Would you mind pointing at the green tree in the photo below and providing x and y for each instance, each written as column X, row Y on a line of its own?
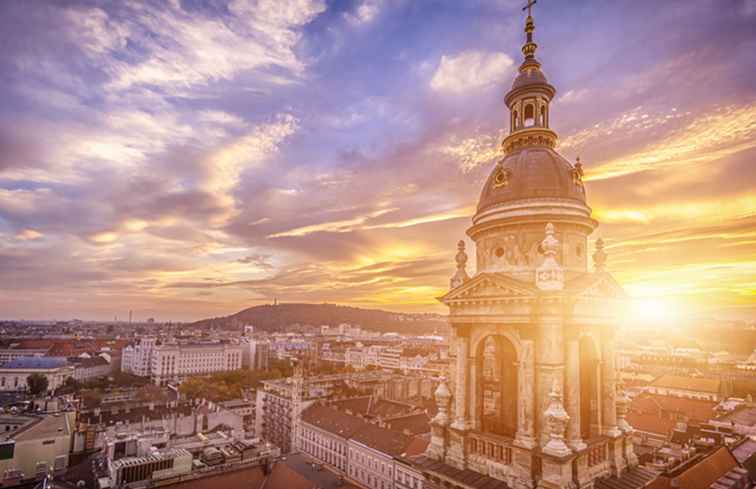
column 37, row 384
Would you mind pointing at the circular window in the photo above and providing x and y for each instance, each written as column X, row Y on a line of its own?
column 499, row 252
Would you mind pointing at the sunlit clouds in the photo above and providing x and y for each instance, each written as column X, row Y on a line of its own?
column 189, row 159
column 470, row 70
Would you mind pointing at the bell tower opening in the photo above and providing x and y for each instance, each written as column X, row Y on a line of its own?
column 529, row 115
column 497, row 389
column 589, row 388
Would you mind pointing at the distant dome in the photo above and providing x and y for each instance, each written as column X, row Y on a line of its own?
column 531, row 172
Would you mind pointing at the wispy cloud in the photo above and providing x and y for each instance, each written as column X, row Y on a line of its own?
column 469, row 70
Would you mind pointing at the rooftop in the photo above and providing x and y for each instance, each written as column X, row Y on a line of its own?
column 699, row 472
column 43, row 427
column 695, row 384
column 465, row 477
column 36, row 363
column 635, row 478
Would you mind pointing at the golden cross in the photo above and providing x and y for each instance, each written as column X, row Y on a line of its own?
column 529, row 6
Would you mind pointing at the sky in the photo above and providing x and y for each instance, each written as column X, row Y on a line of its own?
column 186, row 159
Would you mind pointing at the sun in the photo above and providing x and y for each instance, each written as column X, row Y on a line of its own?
column 651, row 311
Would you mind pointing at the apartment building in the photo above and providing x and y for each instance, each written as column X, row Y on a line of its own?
column 173, row 362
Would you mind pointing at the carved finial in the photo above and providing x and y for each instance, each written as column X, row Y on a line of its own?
column 442, row 395
column 550, row 276
column 622, row 405
column 599, row 257
column 556, row 421
column 460, row 276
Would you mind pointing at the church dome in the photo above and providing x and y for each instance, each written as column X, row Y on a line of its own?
column 531, row 172
column 530, row 77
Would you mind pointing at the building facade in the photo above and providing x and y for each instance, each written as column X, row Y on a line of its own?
column 173, row 362
column 256, row 354
column 14, row 374
column 534, row 401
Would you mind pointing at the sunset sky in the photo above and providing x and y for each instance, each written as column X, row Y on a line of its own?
column 187, row 159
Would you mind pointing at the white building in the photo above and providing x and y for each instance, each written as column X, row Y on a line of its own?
column 256, row 354
column 172, row 362
column 38, row 447
column 175, row 362
column 136, row 359
column 159, row 464
column 14, row 374
column 365, row 452
column 390, row 358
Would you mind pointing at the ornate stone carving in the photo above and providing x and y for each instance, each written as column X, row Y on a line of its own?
column 443, row 396
column 460, row 276
column 599, row 257
column 577, row 173
column 502, row 176
column 556, row 421
column 550, row 276
column 623, row 405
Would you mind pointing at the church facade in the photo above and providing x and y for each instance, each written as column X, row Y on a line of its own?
column 532, row 401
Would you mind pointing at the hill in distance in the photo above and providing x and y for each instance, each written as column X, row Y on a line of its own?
column 272, row 318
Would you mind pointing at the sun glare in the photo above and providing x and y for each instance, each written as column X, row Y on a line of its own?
column 651, row 311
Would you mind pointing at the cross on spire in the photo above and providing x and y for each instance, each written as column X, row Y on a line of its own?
column 529, row 6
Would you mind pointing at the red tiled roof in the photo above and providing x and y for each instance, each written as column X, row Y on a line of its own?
column 282, row 477
column 696, row 384
column 356, row 405
column 347, row 426
column 415, row 423
column 651, row 423
column 692, row 409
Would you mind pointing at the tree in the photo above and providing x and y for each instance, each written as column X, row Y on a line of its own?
column 37, row 384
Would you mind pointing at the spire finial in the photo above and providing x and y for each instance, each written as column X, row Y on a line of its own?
column 529, row 48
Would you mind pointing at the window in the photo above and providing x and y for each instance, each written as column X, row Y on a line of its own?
column 529, row 115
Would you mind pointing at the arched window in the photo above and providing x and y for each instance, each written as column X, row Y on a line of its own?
column 529, row 115
column 515, row 120
column 543, row 116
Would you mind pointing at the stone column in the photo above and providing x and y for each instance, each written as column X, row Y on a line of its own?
column 572, row 390
column 550, row 360
column 526, row 396
column 461, row 418
column 609, row 388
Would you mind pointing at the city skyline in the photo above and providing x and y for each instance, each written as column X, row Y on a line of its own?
column 188, row 160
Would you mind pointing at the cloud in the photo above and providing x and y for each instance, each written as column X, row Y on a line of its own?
column 260, row 261
column 29, row 235
column 709, row 137
column 365, row 12
column 470, row 70
column 184, row 49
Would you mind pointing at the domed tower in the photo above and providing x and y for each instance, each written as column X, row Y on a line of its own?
column 534, row 391
column 531, row 186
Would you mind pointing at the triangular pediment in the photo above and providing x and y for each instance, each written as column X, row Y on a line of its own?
column 601, row 284
column 488, row 286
